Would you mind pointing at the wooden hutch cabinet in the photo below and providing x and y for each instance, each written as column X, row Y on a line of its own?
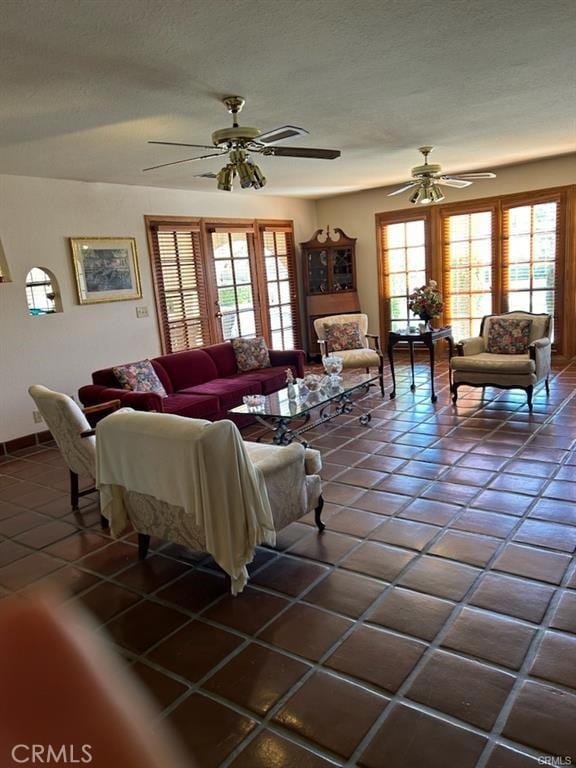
column 329, row 271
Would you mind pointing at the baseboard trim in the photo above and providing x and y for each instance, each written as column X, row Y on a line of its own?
column 27, row 441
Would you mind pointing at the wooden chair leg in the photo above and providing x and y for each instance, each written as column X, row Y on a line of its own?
column 318, row 514
column 74, row 490
column 547, row 385
column 104, row 523
column 143, row 544
column 381, row 376
column 454, row 393
column 529, row 392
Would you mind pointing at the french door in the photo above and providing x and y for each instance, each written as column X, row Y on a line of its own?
column 215, row 281
column 236, row 305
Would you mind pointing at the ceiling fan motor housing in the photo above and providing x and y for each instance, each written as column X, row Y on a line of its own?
column 430, row 169
column 238, row 133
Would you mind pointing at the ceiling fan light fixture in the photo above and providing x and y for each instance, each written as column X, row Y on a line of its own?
column 416, row 195
column 436, row 194
column 225, row 178
column 250, row 175
column 258, row 178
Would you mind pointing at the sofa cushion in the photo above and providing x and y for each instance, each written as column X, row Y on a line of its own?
column 195, row 406
column 106, row 377
column 508, row 336
column 224, row 358
column 229, row 391
column 487, row 362
column 271, row 379
column 186, row 369
column 251, row 354
column 140, row 377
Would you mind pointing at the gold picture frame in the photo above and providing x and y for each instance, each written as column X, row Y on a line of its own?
column 106, row 269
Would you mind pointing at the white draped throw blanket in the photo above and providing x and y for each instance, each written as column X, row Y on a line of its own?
column 200, row 466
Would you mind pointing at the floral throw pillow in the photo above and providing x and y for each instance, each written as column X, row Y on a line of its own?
column 508, row 336
column 251, row 354
column 340, row 336
column 139, row 377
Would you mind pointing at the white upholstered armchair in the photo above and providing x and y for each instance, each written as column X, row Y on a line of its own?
column 476, row 366
column 72, row 432
column 197, row 483
column 364, row 356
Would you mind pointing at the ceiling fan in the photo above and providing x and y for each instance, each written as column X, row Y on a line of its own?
column 428, row 178
column 238, row 142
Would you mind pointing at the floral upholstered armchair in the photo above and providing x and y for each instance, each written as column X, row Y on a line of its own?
column 513, row 351
column 347, row 337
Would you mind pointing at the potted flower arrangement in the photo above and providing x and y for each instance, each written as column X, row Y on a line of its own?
column 426, row 302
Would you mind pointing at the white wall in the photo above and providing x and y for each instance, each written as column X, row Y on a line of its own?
column 38, row 215
column 354, row 213
column 61, row 350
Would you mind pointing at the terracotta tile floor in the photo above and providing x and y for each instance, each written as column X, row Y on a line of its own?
column 433, row 624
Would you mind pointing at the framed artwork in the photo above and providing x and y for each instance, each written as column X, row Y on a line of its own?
column 106, row 269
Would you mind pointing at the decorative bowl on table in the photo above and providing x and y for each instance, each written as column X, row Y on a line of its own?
column 253, row 402
column 333, row 364
column 312, row 382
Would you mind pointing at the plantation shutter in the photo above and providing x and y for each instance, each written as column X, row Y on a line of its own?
column 468, row 267
column 404, row 243
column 532, row 249
column 180, row 286
column 278, row 259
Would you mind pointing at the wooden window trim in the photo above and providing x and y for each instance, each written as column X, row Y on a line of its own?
column 566, row 250
column 204, row 226
column 397, row 217
column 463, row 209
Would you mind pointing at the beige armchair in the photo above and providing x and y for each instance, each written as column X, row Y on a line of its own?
column 365, row 356
column 197, row 483
column 72, row 433
column 475, row 367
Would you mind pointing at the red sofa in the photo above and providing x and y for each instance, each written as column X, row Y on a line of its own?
column 201, row 383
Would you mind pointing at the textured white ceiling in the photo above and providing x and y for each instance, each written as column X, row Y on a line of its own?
column 85, row 83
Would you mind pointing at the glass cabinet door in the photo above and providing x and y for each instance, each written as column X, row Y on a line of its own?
column 342, row 270
column 318, row 271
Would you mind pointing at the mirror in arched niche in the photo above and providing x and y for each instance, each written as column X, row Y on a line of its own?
column 42, row 292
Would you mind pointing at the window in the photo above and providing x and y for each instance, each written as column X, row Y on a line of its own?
column 281, row 288
column 468, row 270
column 404, row 262
column 41, row 292
column 493, row 255
column 216, row 281
column 530, row 255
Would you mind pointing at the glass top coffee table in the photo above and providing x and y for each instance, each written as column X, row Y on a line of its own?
column 290, row 419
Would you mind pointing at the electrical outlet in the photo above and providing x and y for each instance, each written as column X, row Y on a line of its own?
column 141, row 311
column 37, row 416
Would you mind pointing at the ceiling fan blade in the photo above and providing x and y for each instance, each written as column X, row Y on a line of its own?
column 482, row 175
column 283, row 133
column 319, row 154
column 449, row 181
column 186, row 160
column 404, row 189
column 178, row 144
